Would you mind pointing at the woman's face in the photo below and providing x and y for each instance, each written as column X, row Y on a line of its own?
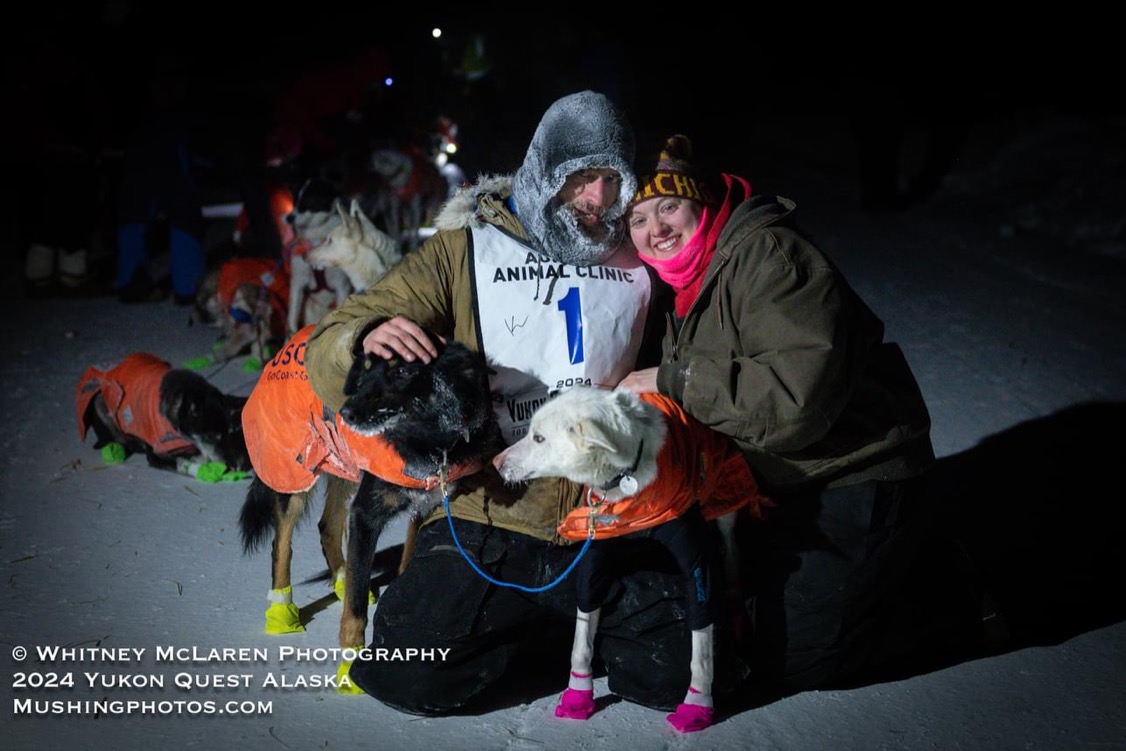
column 661, row 227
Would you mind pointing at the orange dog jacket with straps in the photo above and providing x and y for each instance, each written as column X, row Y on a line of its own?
column 291, row 437
column 696, row 464
column 131, row 391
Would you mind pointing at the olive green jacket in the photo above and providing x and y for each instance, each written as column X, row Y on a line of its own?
column 779, row 353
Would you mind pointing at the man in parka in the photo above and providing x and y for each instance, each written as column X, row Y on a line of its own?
column 530, row 270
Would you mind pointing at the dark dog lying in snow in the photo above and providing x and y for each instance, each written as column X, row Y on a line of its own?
column 173, row 416
column 402, row 425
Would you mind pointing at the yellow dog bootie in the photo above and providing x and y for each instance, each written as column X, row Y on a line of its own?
column 338, row 588
column 344, row 683
column 282, row 617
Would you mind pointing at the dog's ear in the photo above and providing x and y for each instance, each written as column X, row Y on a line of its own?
column 356, row 212
column 590, row 434
column 371, row 234
column 362, row 363
column 625, row 401
column 461, row 374
column 608, row 426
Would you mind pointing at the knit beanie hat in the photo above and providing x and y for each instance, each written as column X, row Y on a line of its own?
column 674, row 175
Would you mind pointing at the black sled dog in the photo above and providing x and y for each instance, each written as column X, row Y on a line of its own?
column 175, row 417
column 405, row 434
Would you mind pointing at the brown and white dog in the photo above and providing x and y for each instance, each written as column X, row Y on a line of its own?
column 247, row 299
column 648, row 467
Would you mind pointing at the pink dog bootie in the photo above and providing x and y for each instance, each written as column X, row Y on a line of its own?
column 688, row 718
column 575, row 704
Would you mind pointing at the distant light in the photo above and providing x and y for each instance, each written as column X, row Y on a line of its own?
column 435, row 32
column 387, row 81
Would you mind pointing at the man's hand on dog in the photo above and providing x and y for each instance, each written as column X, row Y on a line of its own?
column 403, row 338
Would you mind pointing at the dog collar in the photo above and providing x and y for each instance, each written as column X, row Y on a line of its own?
column 624, row 480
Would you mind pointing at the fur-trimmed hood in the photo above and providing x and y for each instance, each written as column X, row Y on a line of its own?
column 476, row 205
column 579, row 131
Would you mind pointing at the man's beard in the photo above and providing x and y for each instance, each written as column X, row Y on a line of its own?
column 569, row 241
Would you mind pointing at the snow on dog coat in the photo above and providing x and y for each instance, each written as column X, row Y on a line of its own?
column 131, row 391
column 292, row 437
column 695, row 464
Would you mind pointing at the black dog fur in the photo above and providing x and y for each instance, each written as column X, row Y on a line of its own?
column 435, row 415
column 203, row 415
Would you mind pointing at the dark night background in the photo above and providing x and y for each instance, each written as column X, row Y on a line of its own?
column 77, row 77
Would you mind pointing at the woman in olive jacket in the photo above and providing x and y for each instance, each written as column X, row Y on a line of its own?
column 771, row 346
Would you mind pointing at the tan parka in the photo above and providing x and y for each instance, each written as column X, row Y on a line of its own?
column 433, row 287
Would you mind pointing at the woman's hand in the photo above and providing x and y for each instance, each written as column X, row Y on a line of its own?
column 640, row 381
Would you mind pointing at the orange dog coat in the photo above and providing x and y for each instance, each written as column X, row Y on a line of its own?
column 291, row 437
column 131, row 390
column 259, row 272
column 695, row 464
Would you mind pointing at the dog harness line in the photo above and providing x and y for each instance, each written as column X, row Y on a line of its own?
column 532, row 590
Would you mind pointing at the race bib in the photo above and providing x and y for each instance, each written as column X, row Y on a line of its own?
column 548, row 326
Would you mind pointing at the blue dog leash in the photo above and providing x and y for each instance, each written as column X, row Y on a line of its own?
column 491, row 580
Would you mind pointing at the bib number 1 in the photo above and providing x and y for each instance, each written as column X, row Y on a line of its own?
column 571, row 306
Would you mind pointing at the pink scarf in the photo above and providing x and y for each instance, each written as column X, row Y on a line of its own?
column 684, row 272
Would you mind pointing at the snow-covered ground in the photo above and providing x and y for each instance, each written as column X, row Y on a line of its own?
column 1006, row 293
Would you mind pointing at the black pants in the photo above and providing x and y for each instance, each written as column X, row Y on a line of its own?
column 824, row 577
column 439, row 602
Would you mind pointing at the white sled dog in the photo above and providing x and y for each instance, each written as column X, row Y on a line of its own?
column 648, row 468
column 357, row 247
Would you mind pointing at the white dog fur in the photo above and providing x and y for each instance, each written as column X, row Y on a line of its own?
column 357, row 247
column 308, row 299
column 608, row 438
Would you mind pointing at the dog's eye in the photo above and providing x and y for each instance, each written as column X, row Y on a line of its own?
column 367, row 363
column 537, row 438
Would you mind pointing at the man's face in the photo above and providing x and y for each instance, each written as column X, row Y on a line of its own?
column 588, row 194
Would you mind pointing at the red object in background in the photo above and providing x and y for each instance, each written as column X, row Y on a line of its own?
column 281, row 206
column 324, row 92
